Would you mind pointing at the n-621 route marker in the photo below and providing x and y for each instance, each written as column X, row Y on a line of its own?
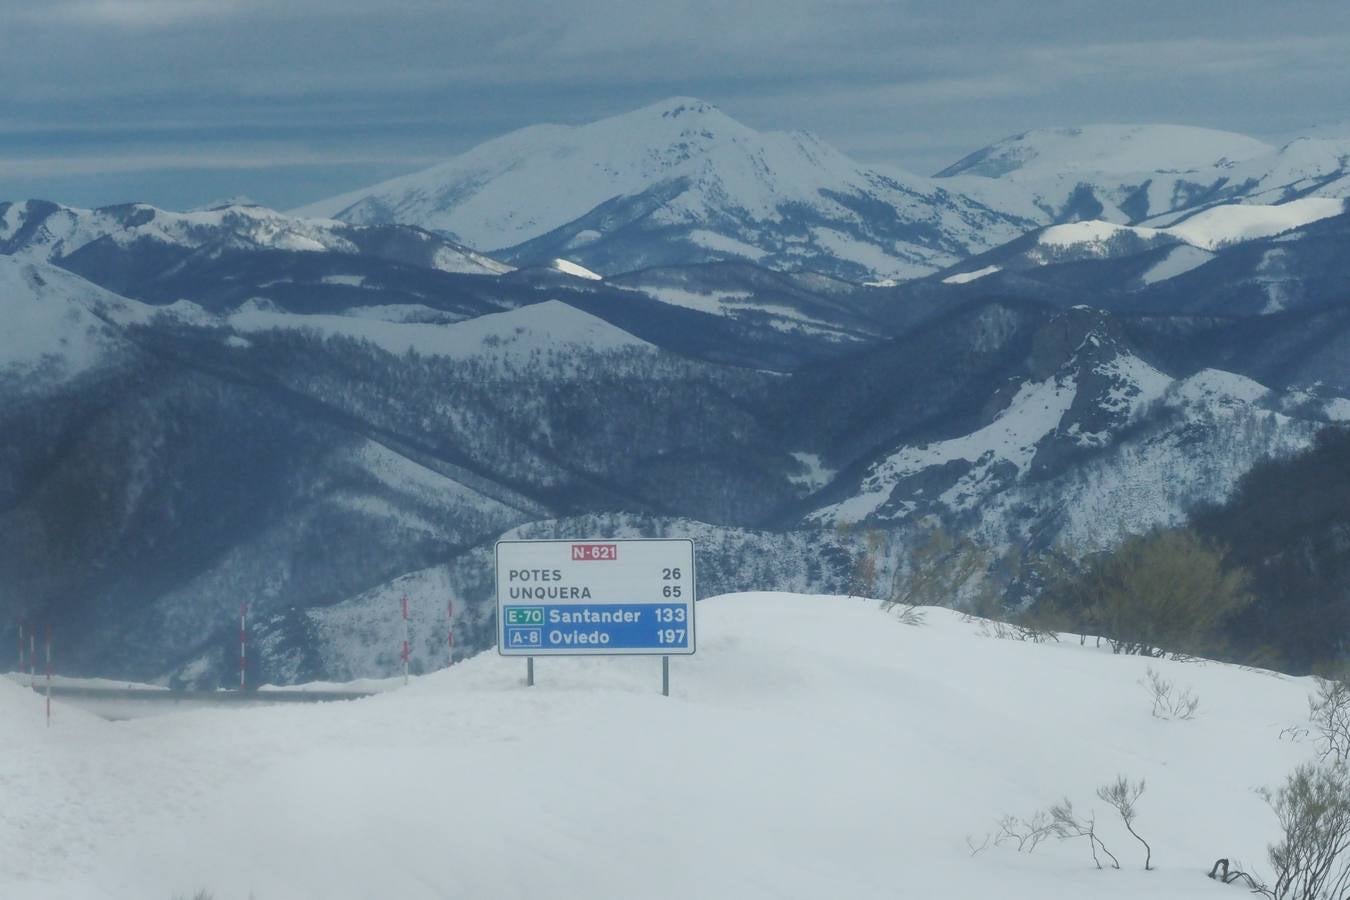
column 595, row 598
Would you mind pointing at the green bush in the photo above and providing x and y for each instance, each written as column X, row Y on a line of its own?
column 1165, row 592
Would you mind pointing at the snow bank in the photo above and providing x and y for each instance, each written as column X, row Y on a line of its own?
column 815, row 747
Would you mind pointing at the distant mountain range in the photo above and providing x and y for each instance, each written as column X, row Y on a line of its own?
column 682, row 327
column 681, row 182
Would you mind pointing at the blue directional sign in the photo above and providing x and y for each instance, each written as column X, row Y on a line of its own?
column 595, row 597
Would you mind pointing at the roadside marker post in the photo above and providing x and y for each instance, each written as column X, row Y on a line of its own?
column 49, row 674
column 243, row 622
column 21, row 650
column 450, row 628
column 406, row 650
column 596, row 598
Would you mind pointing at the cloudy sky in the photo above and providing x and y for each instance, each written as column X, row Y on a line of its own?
column 179, row 102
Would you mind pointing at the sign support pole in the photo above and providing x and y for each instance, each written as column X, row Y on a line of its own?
column 529, row 671
column 49, row 674
column 665, row 676
column 405, row 641
column 243, row 621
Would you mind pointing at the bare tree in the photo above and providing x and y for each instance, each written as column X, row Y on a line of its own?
column 1068, row 824
column 1329, row 714
column 1122, row 796
column 1313, row 808
column 940, row 569
column 1159, row 594
column 977, row 848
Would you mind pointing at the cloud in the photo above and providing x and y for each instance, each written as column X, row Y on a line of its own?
column 129, row 13
column 917, row 82
column 184, row 159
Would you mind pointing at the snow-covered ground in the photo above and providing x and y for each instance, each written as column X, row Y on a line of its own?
column 814, row 747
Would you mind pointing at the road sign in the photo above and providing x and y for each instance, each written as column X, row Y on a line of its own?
column 595, row 598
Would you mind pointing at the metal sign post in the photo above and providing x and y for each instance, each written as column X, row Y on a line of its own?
column 596, row 598
column 406, row 649
column 49, row 674
column 243, row 621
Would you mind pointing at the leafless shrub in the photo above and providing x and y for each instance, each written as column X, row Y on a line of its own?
column 1168, row 703
column 1122, row 796
column 1329, row 715
column 1017, row 631
column 908, row 614
column 1026, row 834
column 1222, row 871
column 1295, row 733
column 1067, row 823
column 977, row 848
column 1313, row 808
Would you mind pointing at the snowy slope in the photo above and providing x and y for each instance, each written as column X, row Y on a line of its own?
column 1106, row 445
column 57, row 326
column 1207, row 431
column 44, row 231
column 814, row 747
column 614, row 194
column 546, row 332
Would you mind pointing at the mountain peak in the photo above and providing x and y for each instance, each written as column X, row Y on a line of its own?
column 680, row 181
column 675, row 107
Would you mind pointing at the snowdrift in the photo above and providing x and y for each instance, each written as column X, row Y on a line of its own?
column 815, row 747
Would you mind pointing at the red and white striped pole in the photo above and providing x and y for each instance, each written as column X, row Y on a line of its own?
column 243, row 620
column 450, row 616
column 406, row 648
column 49, row 674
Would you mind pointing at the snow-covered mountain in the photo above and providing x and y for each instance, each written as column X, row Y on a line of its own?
column 1152, row 174
column 311, row 412
column 1107, row 150
column 1191, row 242
column 37, row 229
column 680, row 182
column 1088, row 442
column 1293, row 277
